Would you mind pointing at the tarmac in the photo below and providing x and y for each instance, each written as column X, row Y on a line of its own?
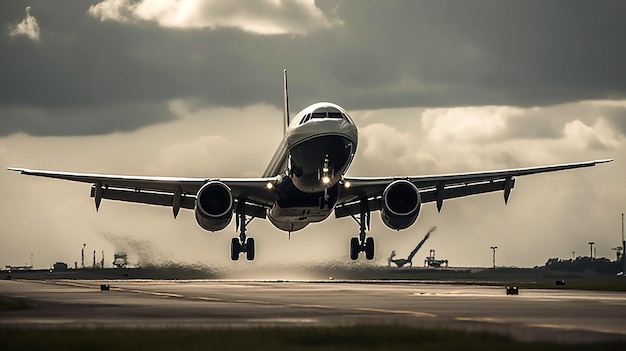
column 568, row 316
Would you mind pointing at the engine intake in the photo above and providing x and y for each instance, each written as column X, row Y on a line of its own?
column 401, row 204
column 214, row 206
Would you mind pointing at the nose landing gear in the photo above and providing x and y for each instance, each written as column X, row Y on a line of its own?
column 325, row 175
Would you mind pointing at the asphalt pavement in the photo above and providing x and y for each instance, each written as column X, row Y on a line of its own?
column 534, row 314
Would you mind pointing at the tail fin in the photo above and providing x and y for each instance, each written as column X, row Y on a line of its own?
column 286, row 102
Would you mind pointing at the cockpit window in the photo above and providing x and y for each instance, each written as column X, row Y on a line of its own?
column 335, row 115
column 323, row 115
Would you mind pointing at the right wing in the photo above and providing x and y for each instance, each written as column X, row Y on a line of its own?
column 164, row 191
column 436, row 188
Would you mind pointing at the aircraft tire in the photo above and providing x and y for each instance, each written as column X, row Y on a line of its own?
column 369, row 248
column 250, row 249
column 355, row 248
column 235, row 249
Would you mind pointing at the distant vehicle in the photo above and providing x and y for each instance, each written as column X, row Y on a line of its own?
column 304, row 183
column 59, row 267
column 120, row 260
column 430, row 261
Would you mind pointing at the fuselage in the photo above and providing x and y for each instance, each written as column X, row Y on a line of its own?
column 311, row 160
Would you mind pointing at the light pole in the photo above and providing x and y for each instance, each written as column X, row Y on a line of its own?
column 591, row 249
column 493, row 248
column 623, row 248
column 573, row 255
column 82, row 256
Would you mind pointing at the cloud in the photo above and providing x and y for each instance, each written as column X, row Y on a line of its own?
column 81, row 120
column 266, row 17
column 413, row 54
column 28, row 27
column 467, row 123
column 600, row 136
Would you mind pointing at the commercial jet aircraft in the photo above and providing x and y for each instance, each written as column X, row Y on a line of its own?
column 304, row 183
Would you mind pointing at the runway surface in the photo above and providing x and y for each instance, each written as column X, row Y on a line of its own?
column 554, row 315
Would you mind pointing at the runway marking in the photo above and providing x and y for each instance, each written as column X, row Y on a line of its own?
column 255, row 302
column 411, row 313
column 480, row 319
column 576, row 328
column 78, row 285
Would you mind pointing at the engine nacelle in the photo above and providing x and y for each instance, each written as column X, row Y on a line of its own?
column 401, row 205
column 214, row 206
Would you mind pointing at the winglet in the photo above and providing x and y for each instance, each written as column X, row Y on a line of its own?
column 603, row 161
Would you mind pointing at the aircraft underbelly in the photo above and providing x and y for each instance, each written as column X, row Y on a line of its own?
column 299, row 214
column 291, row 219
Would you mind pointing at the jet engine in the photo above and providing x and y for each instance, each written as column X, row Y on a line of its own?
column 214, row 206
column 401, row 204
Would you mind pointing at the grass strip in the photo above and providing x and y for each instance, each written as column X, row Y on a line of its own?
column 386, row 337
column 13, row 304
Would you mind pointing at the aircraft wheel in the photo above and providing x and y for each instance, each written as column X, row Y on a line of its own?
column 369, row 248
column 250, row 249
column 355, row 248
column 235, row 249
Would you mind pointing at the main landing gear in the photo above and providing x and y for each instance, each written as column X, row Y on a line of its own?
column 362, row 243
column 241, row 244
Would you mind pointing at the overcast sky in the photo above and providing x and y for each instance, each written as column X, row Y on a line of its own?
column 194, row 88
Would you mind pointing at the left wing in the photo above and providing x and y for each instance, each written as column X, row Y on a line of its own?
column 164, row 191
column 441, row 187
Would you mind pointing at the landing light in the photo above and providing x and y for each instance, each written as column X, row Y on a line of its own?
column 269, row 186
column 325, row 180
column 347, row 185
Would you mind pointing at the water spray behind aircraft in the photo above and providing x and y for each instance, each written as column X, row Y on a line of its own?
column 400, row 262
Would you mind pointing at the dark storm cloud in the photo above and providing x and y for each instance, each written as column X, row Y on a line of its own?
column 384, row 54
column 617, row 116
column 81, row 120
column 487, row 52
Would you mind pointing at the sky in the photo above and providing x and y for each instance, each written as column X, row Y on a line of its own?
column 193, row 88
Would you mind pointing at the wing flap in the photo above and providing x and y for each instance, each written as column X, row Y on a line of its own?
column 368, row 187
column 162, row 191
column 431, row 195
column 143, row 197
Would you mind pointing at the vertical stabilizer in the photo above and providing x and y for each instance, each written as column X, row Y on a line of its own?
column 285, row 102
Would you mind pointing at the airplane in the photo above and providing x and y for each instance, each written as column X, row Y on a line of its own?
column 305, row 181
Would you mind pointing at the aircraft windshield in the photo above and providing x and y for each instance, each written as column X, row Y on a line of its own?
column 334, row 114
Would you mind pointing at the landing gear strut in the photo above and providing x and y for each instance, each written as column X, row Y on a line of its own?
column 241, row 244
column 362, row 243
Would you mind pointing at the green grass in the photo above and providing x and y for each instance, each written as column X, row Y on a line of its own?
column 11, row 304
column 395, row 338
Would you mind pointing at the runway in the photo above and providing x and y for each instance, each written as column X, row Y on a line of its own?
column 551, row 315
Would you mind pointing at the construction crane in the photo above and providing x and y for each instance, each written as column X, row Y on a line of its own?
column 400, row 262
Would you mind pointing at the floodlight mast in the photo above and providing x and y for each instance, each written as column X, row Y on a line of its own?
column 493, row 248
column 623, row 249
